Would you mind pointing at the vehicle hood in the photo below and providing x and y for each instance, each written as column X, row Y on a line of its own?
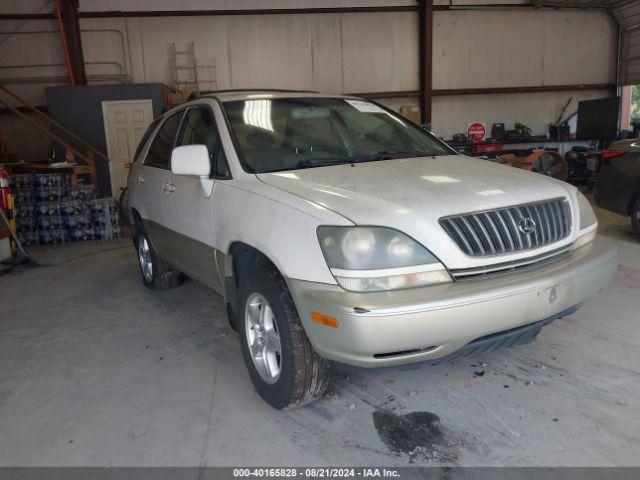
column 412, row 194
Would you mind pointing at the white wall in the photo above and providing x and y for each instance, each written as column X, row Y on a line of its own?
column 353, row 52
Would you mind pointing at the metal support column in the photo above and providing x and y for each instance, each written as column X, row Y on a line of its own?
column 67, row 16
column 425, row 31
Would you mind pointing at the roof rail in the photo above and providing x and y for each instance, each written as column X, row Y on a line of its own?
column 203, row 93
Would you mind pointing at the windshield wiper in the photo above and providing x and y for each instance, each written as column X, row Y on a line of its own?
column 390, row 155
column 380, row 155
column 404, row 153
column 322, row 162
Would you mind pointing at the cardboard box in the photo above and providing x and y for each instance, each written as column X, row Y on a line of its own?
column 412, row 112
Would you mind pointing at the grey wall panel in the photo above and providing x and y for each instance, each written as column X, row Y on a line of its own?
column 80, row 110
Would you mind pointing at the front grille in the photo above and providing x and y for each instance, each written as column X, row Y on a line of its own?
column 476, row 273
column 500, row 231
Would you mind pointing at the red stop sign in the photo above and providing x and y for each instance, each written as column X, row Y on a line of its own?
column 476, row 131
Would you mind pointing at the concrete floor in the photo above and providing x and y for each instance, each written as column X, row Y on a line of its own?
column 96, row 370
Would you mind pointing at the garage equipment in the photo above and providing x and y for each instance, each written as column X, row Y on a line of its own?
column 186, row 69
column 497, row 131
column 6, row 205
column 583, row 164
column 460, row 138
column 546, row 162
column 559, row 130
column 520, row 132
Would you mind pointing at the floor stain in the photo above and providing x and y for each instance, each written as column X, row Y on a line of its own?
column 417, row 434
column 627, row 277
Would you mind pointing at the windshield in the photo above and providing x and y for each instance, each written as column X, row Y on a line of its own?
column 291, row 133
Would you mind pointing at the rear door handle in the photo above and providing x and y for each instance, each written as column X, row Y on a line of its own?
column 140, row 179
column 169, row 187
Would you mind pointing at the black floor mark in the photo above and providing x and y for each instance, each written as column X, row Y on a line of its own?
column 417, row 434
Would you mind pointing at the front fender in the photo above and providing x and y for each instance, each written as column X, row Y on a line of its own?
column 278, row 224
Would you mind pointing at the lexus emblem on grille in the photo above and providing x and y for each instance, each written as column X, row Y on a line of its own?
column 527, row 225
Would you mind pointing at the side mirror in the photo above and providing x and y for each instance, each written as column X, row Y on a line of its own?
column 191, row 160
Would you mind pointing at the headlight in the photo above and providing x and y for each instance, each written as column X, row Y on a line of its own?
column 368, row 259
column 588, row 223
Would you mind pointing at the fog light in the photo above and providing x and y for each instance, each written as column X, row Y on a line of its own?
column 585, row 239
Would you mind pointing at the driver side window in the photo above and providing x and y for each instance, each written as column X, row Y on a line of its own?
column 159, row 154
column 199, row 128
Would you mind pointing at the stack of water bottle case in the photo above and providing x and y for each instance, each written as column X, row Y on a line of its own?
column 48, row 210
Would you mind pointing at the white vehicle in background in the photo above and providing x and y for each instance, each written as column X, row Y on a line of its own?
column 337, row 230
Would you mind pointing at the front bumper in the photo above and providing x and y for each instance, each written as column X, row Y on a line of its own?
column 406, row 326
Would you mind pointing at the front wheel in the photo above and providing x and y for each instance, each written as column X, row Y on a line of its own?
column 635, row 214
column 285, row 370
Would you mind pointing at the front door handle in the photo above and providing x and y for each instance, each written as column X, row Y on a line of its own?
column 169, row 187
column 140, row 179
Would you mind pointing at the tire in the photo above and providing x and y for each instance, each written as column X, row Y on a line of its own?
column 156, row 273
column 302, row 375
column 123, row 207
column 635, row 214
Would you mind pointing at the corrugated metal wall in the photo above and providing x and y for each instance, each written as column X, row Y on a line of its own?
column 347, row 52
column 629, row 17
column 378, row 52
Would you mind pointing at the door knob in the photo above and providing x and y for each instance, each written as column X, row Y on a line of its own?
column 140, row 179
column 169, row 187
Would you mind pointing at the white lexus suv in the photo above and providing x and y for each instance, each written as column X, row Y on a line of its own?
column 337, row 230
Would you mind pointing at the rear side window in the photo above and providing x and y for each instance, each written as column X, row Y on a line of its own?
column 199, row 128
column 159, row 154
column 145, row 138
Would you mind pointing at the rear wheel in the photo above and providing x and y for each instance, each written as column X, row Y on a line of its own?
column 123, row 206
column 156, row 273
column 285, row 370
column 635, row 214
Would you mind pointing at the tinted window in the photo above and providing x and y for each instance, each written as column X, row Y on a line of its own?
column 199, row 128
column 221, row 167
column 145, row 138
column 160, row 150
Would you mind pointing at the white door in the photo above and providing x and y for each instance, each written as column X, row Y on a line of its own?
column 125, row 122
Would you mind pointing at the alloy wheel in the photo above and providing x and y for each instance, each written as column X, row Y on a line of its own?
column 144, row 256
column 263, row 338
